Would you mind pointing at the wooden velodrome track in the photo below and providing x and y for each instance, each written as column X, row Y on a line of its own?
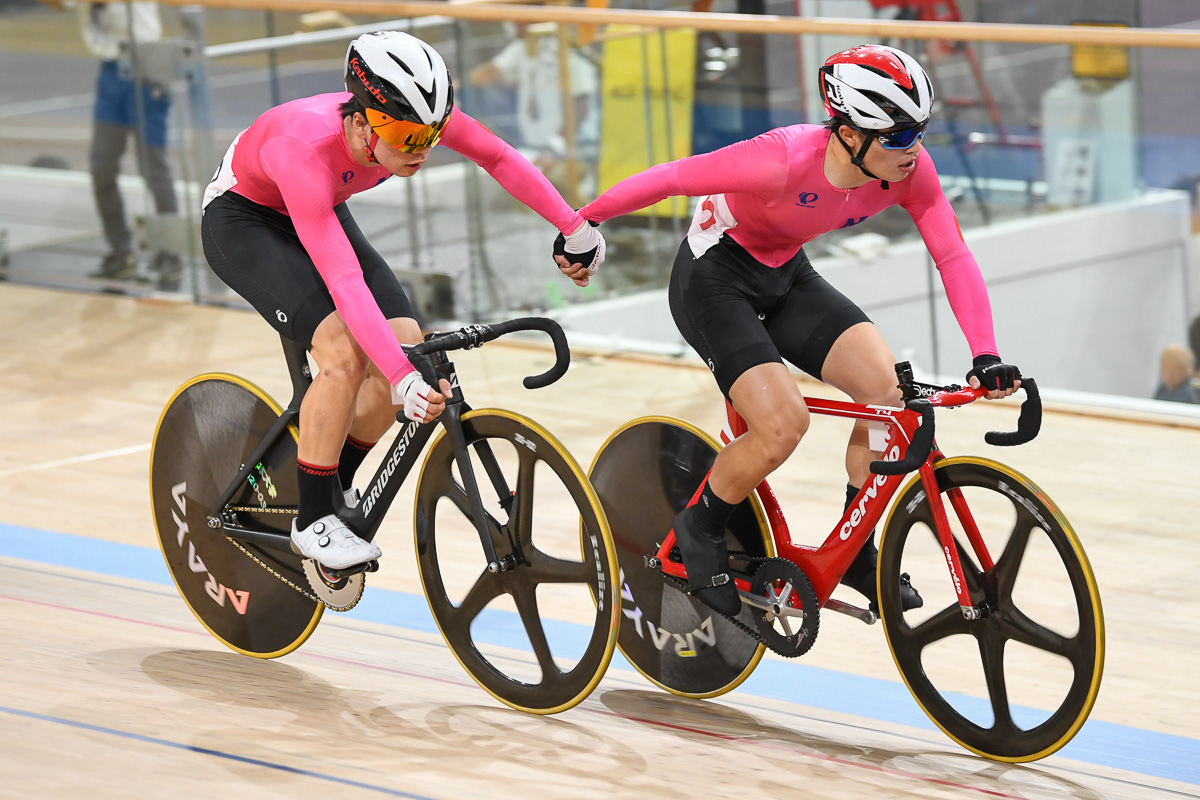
column 110, row 688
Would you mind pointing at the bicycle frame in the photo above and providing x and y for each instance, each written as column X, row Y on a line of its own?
column 826, row 564
column 405, row 450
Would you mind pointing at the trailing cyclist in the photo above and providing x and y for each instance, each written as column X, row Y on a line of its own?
column 745, row 297
column 277, row 230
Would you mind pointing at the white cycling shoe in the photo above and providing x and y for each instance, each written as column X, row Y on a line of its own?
column 332, row 545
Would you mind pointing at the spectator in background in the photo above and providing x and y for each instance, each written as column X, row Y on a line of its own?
column 530, row 64
column 106, row 29
column 1177, row 374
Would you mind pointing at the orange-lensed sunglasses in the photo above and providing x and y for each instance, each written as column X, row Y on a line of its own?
column 405, row 136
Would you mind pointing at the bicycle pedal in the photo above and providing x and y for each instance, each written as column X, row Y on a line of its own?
column 354, row 569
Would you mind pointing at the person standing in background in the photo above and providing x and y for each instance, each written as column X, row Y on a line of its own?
column 530, row 64
column 107, row 28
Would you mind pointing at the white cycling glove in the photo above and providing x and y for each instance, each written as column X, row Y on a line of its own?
column 584, row 246
column 413, row 392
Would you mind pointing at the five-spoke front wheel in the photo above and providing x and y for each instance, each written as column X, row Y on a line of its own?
column 554, row 584
column 1039, row 641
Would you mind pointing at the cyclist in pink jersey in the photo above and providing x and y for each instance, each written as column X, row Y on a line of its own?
column 745, row 297
column 277, row 230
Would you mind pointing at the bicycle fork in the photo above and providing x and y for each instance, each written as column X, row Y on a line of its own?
column 946, row 537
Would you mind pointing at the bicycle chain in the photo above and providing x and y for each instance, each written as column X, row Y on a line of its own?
column 264, row 509
column 682, row 586
column 306, row 592
column 274, row 572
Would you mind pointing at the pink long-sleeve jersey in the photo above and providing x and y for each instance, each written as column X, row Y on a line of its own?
column 294, row 159
column 771, row 196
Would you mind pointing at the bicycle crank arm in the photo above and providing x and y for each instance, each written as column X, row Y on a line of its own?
column 861, row 614
column 772, row 609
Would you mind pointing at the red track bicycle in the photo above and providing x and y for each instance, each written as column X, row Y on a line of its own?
column 1008, row 589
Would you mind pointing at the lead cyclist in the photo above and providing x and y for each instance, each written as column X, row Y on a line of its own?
column 745, row 297
column 277, row 230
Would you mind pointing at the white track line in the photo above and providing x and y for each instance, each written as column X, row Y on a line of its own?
column 120, row 451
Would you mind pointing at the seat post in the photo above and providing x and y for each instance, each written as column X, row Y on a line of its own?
column 298, row 370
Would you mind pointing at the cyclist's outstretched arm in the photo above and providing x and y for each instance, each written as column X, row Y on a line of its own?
column 524, row 181
column 521, row 179
column 757, row 166
column 965, row 288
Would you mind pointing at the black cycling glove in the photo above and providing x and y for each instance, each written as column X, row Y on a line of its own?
column 993, row 374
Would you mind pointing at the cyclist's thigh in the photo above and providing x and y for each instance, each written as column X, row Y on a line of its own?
column 861, row 364
column 381, row 281
column 714, row 301
column 811, row 319
column 256, row 251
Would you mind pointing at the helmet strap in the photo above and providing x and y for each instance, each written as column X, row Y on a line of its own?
column 857, row 160
column 370, row 147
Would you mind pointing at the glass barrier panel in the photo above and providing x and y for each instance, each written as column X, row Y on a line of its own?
column 1071, row 171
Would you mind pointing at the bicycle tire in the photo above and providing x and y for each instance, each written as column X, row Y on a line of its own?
column 645, row 474
column 559, row 689
column 1012, row 735
column 207, row 430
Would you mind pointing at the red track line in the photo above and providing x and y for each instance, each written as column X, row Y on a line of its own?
column 684, row 728
column 817, row 756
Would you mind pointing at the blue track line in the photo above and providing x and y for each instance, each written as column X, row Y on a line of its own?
column 1119, row 746
column 215, row 753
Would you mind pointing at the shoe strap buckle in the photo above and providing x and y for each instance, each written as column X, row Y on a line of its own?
column 716, row 580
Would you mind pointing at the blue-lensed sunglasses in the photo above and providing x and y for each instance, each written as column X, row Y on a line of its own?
column 902, row 139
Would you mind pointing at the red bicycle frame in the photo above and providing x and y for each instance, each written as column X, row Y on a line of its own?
column 825, row 565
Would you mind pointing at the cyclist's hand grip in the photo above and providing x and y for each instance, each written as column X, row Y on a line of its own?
column 1028, row 424
column 918, row 450
column 425, row 367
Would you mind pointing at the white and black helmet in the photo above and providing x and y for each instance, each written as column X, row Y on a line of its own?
column 403, row 84
column 876, row 88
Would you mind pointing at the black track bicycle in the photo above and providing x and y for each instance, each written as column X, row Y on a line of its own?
column 505, row 521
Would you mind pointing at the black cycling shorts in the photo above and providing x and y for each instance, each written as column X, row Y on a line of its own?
column 257, row 252
column 737, row 313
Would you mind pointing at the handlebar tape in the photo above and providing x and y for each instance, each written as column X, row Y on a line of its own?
column 1028, row 424
column 918, row 450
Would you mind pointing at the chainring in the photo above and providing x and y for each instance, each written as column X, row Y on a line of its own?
column 341, row 594
column 791, row 629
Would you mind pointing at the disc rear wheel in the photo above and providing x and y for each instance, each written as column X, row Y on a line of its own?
column 210, row 427
column 645, row 474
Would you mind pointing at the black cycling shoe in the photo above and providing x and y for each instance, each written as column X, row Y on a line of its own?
column 707, row 564
column 861, row 578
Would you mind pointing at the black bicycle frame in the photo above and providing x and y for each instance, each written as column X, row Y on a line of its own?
column 366, row 518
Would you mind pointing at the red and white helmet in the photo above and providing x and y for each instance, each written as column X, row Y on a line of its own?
column 876, row 88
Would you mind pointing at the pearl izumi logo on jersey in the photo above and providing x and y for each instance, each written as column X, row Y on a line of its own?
column 807, row 199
